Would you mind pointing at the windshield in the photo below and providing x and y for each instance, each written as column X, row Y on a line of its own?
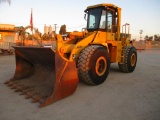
column 94, row 16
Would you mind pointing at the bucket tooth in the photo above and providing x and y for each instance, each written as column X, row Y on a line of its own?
column 37, row 99
column 27, row 91
column 34, row 96
column 16, row 86
column 30, row 94
column 7, row 82
column 24, row 91
column 20, row 88
column 43, row 100
column 13, row 83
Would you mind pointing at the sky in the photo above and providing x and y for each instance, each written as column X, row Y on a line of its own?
column 140, row 14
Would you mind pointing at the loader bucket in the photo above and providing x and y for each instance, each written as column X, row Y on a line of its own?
column 42, row 74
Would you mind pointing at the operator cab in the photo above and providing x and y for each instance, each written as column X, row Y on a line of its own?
column 102, row 17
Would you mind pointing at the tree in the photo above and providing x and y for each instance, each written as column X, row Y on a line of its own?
column 62, row 29
column 146, row 37
column 150, row 38
column 46, row 37
column 157, row 37
column 9, row 1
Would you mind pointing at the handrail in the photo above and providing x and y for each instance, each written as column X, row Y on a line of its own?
column 126, row 25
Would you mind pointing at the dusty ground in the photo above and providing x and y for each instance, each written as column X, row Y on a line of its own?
column 133, row 96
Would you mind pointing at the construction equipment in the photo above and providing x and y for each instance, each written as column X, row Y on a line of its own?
column 48, row 75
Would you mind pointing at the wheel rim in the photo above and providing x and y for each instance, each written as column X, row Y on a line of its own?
column 101, row 66
column 133, row 59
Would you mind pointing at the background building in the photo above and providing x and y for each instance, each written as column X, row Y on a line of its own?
column 48, row 29
column 7, row 37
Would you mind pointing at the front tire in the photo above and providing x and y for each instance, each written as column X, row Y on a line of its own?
column 130, row 59
column 93, row 65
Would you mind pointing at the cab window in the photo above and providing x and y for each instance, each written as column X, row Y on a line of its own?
column 109, row 22
column 94, row 16
column 103, row 20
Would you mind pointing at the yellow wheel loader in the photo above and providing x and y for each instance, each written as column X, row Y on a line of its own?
column 50, row 74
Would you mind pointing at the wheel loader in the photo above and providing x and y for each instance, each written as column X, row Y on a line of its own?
column 49, row 74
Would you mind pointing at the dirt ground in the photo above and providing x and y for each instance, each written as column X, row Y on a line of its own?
column 123, row 96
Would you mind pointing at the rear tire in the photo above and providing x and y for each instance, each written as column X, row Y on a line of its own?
column 93, row 65
column 130, row 59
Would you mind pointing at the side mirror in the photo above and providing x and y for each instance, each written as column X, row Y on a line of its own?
column 85, row 17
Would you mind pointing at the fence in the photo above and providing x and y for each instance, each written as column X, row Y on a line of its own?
column 147, row 44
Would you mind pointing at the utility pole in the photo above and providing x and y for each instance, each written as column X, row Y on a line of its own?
column 141, row 31
column 55, row 26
